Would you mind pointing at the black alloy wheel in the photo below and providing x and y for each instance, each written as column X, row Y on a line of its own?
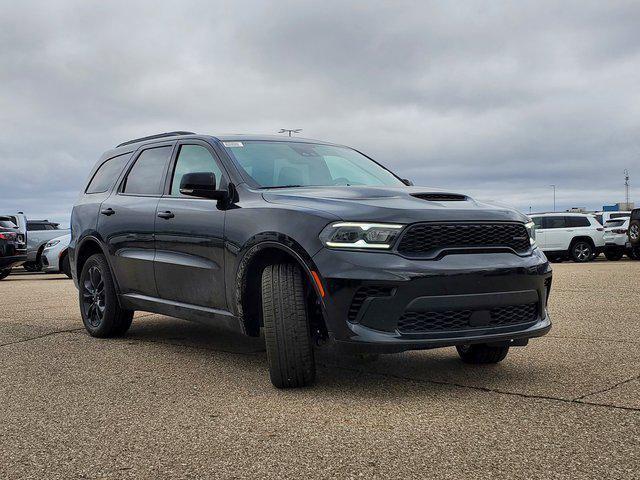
column 93, row 298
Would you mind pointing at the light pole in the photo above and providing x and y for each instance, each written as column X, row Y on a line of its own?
column 290, row 130
column 554, row 196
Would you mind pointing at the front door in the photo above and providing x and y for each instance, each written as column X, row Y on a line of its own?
column 127, row 219
column 189, row 234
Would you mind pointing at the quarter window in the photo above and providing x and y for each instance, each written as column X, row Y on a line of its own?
column 192, row 159
column 107, row 174
column 578, row 222
column 145, row 178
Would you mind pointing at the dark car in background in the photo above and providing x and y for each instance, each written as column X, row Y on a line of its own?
column 634, row 233
column 13, row 251
column 307, row 241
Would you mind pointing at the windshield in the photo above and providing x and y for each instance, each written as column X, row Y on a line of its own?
column 294, row 164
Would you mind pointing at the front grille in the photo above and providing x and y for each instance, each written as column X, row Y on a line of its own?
column 451, row 320
column 429, row 237
column 362, row 294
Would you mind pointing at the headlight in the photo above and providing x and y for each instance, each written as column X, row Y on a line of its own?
column 360, row 235
column 531, row 230
column 52, row 243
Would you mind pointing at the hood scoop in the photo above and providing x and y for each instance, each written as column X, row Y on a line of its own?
column 441, row 197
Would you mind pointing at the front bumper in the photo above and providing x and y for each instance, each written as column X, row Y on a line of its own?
column 461, row 291
column 50, row 261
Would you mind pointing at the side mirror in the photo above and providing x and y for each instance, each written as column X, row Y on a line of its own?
column 407, row 182
column 201, row 184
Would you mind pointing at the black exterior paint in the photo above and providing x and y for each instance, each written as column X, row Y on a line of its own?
column 194, row 265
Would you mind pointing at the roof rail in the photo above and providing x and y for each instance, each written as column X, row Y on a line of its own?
column 152, row 137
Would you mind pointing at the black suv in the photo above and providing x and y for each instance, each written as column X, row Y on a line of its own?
column 634, row 233
column 311, row 242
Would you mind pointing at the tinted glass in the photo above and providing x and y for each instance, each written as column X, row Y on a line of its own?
column 31, row 227
column 577, row 222
column 191, row 159
column 146, row 175
column 619, row 215
column 537, row 221
column 107, row 174
column 553, row 222
column 615, row 223
column 281, row 164
column 7, row 224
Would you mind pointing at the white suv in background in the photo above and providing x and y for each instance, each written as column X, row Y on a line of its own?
column 576, row 235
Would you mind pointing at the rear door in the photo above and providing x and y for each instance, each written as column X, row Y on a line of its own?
column 555, row 233
column 189, row 262
column 127, row 220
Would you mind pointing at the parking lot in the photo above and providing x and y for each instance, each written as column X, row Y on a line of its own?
column 174, row 399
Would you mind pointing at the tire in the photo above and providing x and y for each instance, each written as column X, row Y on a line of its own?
column 582, row 251
column 31, row 267
column 4, row 273
column 634, row 253
column 634, row 233
column 614, row 255
column 65, row 266
column 480, row 354
column 286, row 327
column 101, row 312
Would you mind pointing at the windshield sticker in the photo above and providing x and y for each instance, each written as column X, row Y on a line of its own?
column 232, row 144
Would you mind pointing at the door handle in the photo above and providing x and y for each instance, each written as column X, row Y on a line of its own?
column 107, row 211
column 166, row 215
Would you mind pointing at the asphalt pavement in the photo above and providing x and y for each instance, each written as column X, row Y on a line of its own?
column 174, row 399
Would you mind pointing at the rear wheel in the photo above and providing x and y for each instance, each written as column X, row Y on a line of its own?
column 482, row 353
column 101, row 313
column 582, row 251
column 286, row 327
column 4, row 273
column 614, row 255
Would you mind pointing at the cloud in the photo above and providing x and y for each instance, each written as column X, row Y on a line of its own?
column 495, row 100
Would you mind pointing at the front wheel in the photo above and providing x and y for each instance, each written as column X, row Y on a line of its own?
column 482, row 353
column 4, row 273
column 286, row 327
column 101, row 312
column 65, row 266
column 582, row 251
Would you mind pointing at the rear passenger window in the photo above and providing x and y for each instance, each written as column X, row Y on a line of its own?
column 578, row 222
column 107, row 174
column 553, row 222
column 145, row 178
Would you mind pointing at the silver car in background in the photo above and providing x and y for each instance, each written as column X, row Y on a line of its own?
column 54, row 257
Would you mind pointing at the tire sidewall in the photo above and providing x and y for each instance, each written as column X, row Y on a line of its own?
column 574, row 254
column 111, row 300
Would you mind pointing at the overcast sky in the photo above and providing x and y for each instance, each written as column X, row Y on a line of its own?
column 497, row 101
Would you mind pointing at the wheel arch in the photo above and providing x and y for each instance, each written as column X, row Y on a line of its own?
column 247, row 286
column 578, row 238
column 90, row 245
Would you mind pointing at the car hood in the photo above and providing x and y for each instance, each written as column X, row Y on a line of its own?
column 392, row 204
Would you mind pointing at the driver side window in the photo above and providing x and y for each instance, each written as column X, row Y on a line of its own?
column 191, row 159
